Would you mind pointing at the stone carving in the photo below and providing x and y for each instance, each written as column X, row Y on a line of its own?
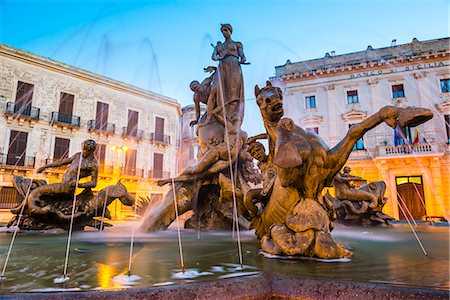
column 207, row 186
column 363, row 205
column 50, row 205
column 297, row 220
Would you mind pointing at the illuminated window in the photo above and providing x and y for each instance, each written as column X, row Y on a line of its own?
column 445, row 85
column 398, row 91
column 359, row 145
column 352, row 97
column 310, row 102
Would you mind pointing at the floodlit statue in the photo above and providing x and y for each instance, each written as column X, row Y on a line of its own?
column 50, row 205
column 363, row 205
column 207, row 186
column 297, row 219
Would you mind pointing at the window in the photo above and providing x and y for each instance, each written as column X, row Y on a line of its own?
column 447, row 126
column 313, row 129
column 398, row 91
column 17, row 148
column 100, row 153
column 359, row 145
column 130, row 162
column 310, row 102
column 132, row 126
column 402, row 135
column 24, row 95
column 352, row 97
column 158, row 160
column 61, row 148
column 159, row 129
column 101, row 116
column 66, row 104
column 445, row 85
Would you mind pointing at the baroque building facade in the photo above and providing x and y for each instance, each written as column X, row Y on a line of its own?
column 49, row 108
column 329, row 94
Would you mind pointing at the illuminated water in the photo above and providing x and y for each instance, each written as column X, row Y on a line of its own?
column 100, row 260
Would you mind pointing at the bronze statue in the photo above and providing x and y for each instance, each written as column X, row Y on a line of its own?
column 49, row 205
column 297, row 219
column 206, row 186
column 361, row 206
column 202, row 92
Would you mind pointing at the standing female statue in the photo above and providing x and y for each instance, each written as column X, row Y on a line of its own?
column 229, row 86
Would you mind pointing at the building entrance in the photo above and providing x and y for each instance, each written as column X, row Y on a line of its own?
column 410, row 193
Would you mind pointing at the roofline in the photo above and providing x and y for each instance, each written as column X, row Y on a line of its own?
column 56, row 66
column 362, row 51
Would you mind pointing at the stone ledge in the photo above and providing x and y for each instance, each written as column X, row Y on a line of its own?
column 261, row 286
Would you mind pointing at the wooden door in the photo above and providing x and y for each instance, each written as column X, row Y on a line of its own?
column 61, row 148
column 24, row 95
column 132, row 127
column 158, row 161
column 101, row 116
column 17, row 148
column 410, row 193
column 159, row 129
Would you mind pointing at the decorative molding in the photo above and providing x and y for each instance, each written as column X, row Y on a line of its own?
column 354, row 116
column 311, row 120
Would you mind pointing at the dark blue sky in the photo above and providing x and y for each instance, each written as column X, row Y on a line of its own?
column 164, row 45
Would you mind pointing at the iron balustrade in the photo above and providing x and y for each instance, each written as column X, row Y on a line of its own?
column 160, row 138
column 17, row 160
column 158, row 174
column 131, row 172
column 132, row 132
column 103, row 127
column 61, row 118
column 24, row 111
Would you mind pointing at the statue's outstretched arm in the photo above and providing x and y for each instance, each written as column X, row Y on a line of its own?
column 59, row 163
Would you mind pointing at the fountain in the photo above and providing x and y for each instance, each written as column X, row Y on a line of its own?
column 295, row 253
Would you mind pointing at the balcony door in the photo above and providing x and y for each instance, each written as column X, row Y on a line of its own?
column 65, row 108
column 159, row 129
column 130, row 162
column 61, row 148
column 132, row 126
column 410, row 193
column 17, row 148
column 158, row 161
column 101, row 116
column 24, row 96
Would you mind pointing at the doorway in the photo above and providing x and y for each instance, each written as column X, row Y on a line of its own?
column 410, row 192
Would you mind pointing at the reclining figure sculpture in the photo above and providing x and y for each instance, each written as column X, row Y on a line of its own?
column 49, row 206
column 359, row 206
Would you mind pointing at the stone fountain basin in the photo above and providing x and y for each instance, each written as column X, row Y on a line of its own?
column 386, row 261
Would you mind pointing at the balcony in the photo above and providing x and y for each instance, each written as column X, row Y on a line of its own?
column 13, row 160
column 425, row 148
column 106, row 128
column 64, row 119
column 29, row 112
column 128, row 132
column 132, row 172
column 158, row 138
column 158, row 174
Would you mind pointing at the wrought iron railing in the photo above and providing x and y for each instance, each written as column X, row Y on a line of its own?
column 132, row 132
column 158, row 174
column 25, row 111
column 131, row 172
column 17, row 160
column 159, row 138
column 61, row 118
column 102, row 127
